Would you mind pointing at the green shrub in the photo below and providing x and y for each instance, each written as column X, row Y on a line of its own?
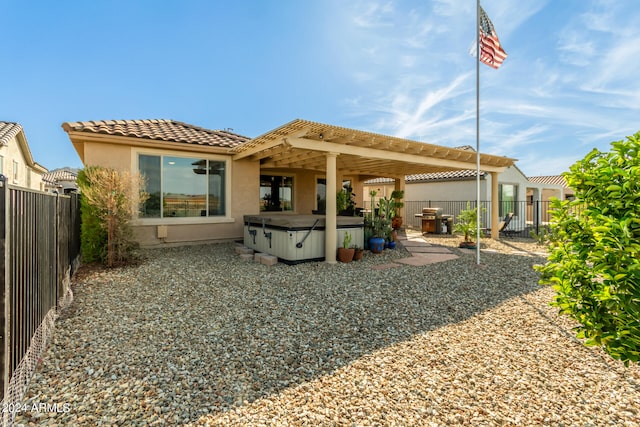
column 109, row 197
column 93, row 236
column 594, row 260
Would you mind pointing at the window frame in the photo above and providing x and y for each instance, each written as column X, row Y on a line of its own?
column 501, row 202
column 226, row 218
column 293, row 178
column 15, row 171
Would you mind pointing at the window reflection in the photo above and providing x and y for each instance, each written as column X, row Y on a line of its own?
column 183, row 187
column 276, row 193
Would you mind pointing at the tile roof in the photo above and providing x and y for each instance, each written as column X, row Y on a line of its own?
column 60, row 175
column 549, row 179
column 7, row 131
column 454, row 175
column 159, row 129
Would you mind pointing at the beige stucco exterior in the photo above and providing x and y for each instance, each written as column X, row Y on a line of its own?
column 242, row 195
column 17, row 164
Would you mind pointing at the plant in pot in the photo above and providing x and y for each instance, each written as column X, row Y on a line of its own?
column 358, row 253
column 345, row 202
column 387, row 211
column 374, row 227
column 397, row 196
column 346, row 252
column 378, row 234
column 467, row 224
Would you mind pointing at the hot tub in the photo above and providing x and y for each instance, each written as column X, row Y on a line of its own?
column 297, row 238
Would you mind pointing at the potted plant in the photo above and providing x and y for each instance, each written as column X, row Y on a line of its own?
column 346, row 252
column 467, row 224
column 374, row 227
column 345, row 202
column 341, row 202
column 378, row 234
column 397, row 196
column 358, row 253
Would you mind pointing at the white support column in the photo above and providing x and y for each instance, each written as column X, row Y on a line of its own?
column 495, row 206
column 331, row 228
column 537, row 211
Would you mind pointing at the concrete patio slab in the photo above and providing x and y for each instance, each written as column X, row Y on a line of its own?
column 424, row 259
column 428, row 249
column 415, row 243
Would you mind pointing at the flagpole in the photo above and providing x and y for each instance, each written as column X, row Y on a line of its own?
column 478, row 132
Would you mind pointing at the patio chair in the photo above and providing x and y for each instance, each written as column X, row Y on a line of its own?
column 503, row 226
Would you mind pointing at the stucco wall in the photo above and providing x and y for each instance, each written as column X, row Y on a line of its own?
column 11, row 152
column 149, row 232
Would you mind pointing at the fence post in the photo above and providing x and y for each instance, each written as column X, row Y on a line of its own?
column 3, row 283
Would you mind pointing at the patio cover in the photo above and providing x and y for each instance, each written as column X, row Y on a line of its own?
column 327, row 148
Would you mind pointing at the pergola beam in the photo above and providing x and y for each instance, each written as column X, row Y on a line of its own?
column 384, row 155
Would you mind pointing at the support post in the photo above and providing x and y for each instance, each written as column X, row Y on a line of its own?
column 331, row 228
column 495, row 206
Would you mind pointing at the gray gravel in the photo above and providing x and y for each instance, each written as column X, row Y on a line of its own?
column 197, row 336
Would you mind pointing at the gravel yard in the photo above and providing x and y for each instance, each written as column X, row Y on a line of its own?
column 197, row 336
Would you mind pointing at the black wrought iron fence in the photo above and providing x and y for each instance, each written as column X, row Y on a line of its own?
column 528, row 216
column 39, row 246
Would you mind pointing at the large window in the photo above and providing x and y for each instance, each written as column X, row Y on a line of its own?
column 183, row 187
column 508, row 199
column 276, row 193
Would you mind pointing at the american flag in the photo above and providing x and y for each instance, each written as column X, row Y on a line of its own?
column 491, row 53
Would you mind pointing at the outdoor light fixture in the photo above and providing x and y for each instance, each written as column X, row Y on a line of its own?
column 321, row 135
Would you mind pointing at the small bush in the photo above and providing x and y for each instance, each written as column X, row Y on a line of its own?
column 93, row 236
column 107, row 207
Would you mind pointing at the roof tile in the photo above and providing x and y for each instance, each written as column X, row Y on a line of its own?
column 549, row 179
column 8, row 130
column 159, row 129
column 454, row 175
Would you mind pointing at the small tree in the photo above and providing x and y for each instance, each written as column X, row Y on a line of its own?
column 109, row 197
column 594, row 260
column 467, row 223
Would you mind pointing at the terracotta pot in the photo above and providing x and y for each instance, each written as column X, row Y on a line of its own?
column 345, row 254
column 396, row 222
column 357, row 255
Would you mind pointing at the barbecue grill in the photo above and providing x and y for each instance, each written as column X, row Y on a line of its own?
column 433, row 221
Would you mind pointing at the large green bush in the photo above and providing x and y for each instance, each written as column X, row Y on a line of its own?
column 594, row 261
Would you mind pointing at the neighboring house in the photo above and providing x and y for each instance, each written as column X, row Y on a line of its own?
column 556, row 180
column 203, row 182
column 63, row 180
column 516, row 193
column 16, row 161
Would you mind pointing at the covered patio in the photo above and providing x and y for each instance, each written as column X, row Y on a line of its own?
column 339, row 152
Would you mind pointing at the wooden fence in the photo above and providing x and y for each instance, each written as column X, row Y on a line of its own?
column 39, row 247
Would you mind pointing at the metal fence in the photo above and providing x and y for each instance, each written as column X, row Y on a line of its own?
column 39, row 247
column 529, row 216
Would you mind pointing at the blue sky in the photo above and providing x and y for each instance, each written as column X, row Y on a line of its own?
column 401, row 68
